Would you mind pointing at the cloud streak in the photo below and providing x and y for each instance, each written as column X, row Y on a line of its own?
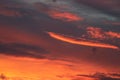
column 81, row 42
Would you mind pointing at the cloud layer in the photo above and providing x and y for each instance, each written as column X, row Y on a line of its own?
column 42, row 39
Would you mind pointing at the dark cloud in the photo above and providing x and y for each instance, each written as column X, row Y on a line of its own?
column 22, row 50
column 101, row 76
column 11, row 9
column 107, row 6
column 115, row 74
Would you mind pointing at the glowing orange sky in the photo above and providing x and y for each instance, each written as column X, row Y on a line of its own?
column 80, row 42
column 28, row 68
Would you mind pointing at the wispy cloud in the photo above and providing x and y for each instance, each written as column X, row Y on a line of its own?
column 65, row 16
column 80, row 42
column 98, row 33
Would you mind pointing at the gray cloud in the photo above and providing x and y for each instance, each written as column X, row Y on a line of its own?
column 107, row 6
column 22, row 50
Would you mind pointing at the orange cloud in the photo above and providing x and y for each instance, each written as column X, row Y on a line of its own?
column 65, row 16
column 113, row 34
column 101, row 34
column 80, row 42
column 95, row 32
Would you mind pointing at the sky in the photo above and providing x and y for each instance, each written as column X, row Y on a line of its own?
column 59, row 40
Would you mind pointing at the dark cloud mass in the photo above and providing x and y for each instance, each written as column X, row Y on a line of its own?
column 115, row 74
column 22, row 50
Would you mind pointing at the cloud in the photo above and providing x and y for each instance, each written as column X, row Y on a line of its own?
column 100, row 76
column 80, row 42
column 99, row 33
column 115, row 74
column 16, row 9
column 57, row 14
column 107, row 6
column 22, row 50
column 28, row 43
column 11, row 9
column 64, row 16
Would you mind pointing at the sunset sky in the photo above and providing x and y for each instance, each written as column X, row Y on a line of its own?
column 59, row 40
